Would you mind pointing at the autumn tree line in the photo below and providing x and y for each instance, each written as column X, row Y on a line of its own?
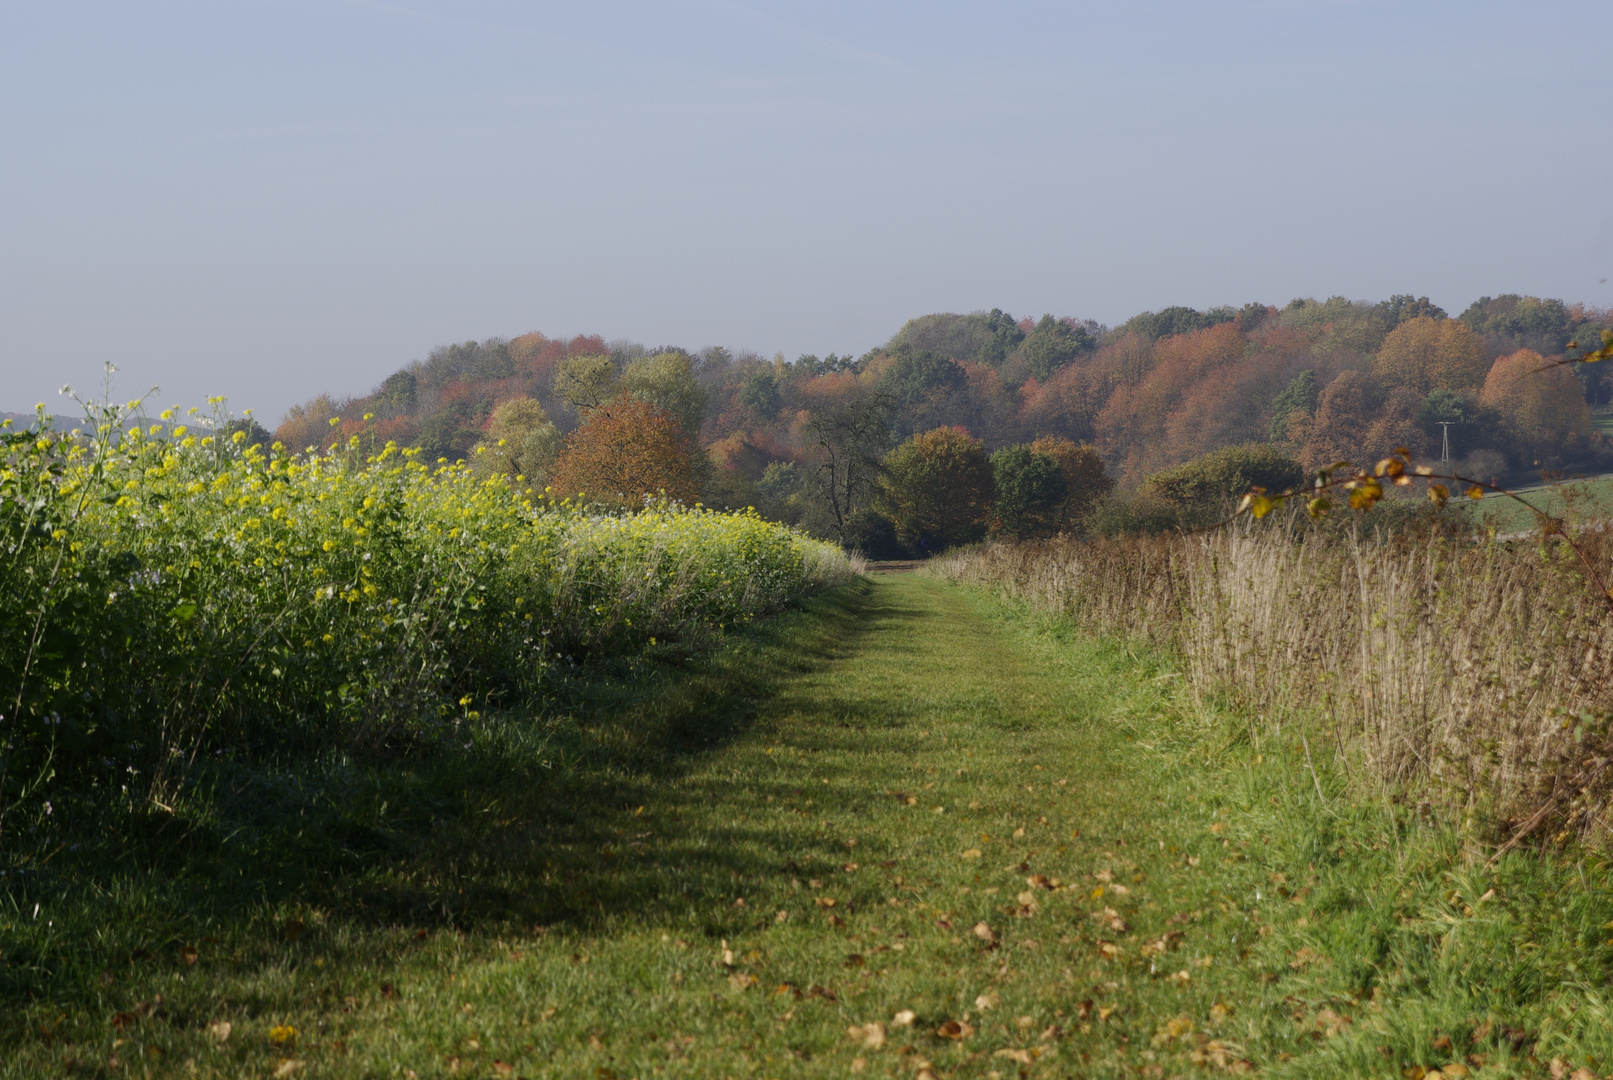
column 962, row 426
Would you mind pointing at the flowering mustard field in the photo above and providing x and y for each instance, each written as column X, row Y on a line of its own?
column 170, row 593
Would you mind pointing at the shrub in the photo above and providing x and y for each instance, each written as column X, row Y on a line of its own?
column 873, row 534
column 1142, row 513
column 1225, row 474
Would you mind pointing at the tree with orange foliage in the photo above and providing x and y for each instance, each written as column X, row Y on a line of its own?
column 625, row 450
column 309, row 424
column 1132, row 427
column 1541, row 406
column 1338, row 429
column 1426, row 354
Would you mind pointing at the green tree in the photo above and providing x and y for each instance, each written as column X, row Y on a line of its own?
column 1511, row 322
column 937, row 488
column 521, row 443
column 585, row 382
column 759, row 395
column 1029, row 488
column 667, row 379
column 1172, row 321
column 1403, row 306
column 1298, row 396
column 1053, row 344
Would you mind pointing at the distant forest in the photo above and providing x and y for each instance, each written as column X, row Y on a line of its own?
column 815, row 440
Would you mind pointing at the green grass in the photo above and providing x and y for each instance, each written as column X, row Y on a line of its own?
column 638, row 885
column 1580, row 502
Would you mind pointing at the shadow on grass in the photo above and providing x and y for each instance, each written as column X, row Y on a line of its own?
column 579, row 817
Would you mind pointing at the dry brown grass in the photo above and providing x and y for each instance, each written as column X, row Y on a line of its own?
column 1459, row 673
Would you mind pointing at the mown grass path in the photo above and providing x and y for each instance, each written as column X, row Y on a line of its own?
column 903, row 833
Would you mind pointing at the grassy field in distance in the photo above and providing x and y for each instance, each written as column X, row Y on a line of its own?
column 1580, row 502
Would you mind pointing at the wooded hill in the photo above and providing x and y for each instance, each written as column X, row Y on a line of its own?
column 1317, row 381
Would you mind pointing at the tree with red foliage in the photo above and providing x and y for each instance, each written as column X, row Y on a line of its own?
column 625, row 450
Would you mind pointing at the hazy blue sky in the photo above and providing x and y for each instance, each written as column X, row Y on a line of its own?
column 270, row 199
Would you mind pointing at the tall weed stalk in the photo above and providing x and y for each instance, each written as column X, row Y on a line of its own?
column 1466, row 675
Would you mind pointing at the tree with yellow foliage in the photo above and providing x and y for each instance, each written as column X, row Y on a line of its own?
column 1426, row 354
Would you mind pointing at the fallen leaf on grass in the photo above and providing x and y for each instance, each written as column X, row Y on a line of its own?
column 972, row 853
column 288, row 1067
column 870, row 1035
column 1176, row 1028
column 1181, row 978
column 1220, row 1055
column 955, row 1029
column 1303, row 958
column 1219, row 1012
column 986, row 1002
column 1024, row 1057
column 1112, row 917
column 1162, row 945
column 188, row 955
column 904, row 1018
column 741, row 980
column 220, row 1030
column 824, row 901
column 984, row 933
column 503, row 1068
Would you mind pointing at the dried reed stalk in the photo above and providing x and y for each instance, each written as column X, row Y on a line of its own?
column 1471, row 675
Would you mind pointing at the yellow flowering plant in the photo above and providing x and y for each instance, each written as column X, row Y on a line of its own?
column 182, row 591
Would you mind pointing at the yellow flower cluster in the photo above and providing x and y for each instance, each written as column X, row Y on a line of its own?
column 293, row 592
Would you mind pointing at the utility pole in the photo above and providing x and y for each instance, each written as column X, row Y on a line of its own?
column 1445, row 449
